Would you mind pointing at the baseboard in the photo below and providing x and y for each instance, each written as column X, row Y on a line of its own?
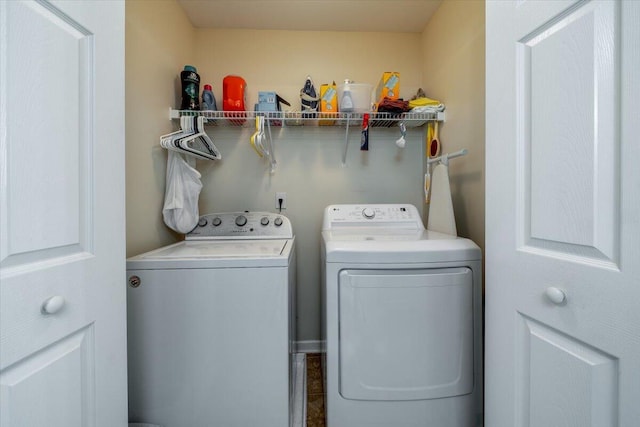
column 310, row 346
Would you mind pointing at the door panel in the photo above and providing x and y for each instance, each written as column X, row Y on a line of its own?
column 62, row 260
column 567, row 74
column 53, row 386
column 52, row 138
column 561, row 377
column 562, row 276
column 405, row 334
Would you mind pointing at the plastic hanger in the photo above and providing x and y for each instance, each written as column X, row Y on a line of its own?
column 262, row 144
column 258, row 136
column 191, row 139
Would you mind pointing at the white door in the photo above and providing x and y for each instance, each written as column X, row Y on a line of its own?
column 563, row 214
column 62, row 363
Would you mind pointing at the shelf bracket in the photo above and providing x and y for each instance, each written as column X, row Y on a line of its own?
column 346, row 141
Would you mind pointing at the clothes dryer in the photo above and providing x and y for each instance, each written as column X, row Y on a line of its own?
column 401, row 321
column 211, row 324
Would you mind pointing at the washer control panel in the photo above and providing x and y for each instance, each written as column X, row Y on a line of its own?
column 368, row 215
column 242, row 225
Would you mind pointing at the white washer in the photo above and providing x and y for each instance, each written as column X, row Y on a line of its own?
column 402, row 321
column 211, row 324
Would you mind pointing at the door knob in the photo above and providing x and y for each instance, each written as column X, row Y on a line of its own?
column 52, row 305
column 556, row 295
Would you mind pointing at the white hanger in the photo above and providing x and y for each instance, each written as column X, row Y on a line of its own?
column 191, row 139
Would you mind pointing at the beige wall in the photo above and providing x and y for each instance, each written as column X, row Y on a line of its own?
column 310, row 166
column 160, row 41
column 453, row 65
column 281, row 60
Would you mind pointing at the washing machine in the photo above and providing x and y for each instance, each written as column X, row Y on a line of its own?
column 401, row 321
column 211, row 325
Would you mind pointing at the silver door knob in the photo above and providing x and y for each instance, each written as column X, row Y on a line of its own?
column 52, row 305
column 555, row 295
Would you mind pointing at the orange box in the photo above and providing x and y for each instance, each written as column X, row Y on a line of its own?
column 389, row 86
column 328, row 103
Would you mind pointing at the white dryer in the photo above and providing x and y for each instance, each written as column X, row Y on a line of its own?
column 402, row 321
column 211, row 324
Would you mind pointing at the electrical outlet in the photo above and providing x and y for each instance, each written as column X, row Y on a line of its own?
column 281, row 196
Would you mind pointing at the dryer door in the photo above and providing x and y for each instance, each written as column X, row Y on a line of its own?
column 406, row 334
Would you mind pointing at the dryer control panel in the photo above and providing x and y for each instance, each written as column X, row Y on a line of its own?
column 372, row 215
column 242, row 225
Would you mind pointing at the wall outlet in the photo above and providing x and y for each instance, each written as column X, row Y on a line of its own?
column 281, row 205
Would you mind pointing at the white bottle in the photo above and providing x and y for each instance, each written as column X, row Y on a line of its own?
column 346, row 103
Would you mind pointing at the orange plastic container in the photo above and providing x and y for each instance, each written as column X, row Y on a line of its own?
column 234, row 98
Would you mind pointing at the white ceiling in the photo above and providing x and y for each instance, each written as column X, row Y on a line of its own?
column 407, row 16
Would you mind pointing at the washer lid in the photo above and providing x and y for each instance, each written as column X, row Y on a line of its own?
column 388, row 246
column 216, row 253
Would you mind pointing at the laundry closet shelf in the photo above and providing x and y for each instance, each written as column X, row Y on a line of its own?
column 297, row 118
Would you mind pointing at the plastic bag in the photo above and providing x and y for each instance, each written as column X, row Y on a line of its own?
column 180, row 211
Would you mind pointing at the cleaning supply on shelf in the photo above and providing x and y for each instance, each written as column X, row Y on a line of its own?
column 346, row 101
column 234, row 98
column 269, row 103
column 389, row 86
column 190, row 88
column 354, row 97
column 309, row 99
column 208, row 100
column 364, row 138
column 328, row 103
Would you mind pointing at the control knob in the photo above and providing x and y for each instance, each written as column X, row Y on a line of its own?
column 216, row 221
column 264, row 220
column 202, row 222
column 368, row 213
column 277, row 222
column 241, row 220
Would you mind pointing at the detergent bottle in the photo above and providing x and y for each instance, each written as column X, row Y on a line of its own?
column 234, row 98
column 208, row 100
column 190, row 88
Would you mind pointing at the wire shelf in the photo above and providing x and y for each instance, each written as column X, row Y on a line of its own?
column 298, row 118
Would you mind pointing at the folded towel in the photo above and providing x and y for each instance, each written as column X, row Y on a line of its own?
column 424, row 102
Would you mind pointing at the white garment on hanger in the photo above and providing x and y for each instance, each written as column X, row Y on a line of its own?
column 183, row 185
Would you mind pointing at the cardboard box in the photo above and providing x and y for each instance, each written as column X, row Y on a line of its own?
column 269, row 102
column 328, row 103
column 389, row 86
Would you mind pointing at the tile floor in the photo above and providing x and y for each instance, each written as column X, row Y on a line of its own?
column 315, row 391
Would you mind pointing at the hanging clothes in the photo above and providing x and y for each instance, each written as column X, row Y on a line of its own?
column 183, row 186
